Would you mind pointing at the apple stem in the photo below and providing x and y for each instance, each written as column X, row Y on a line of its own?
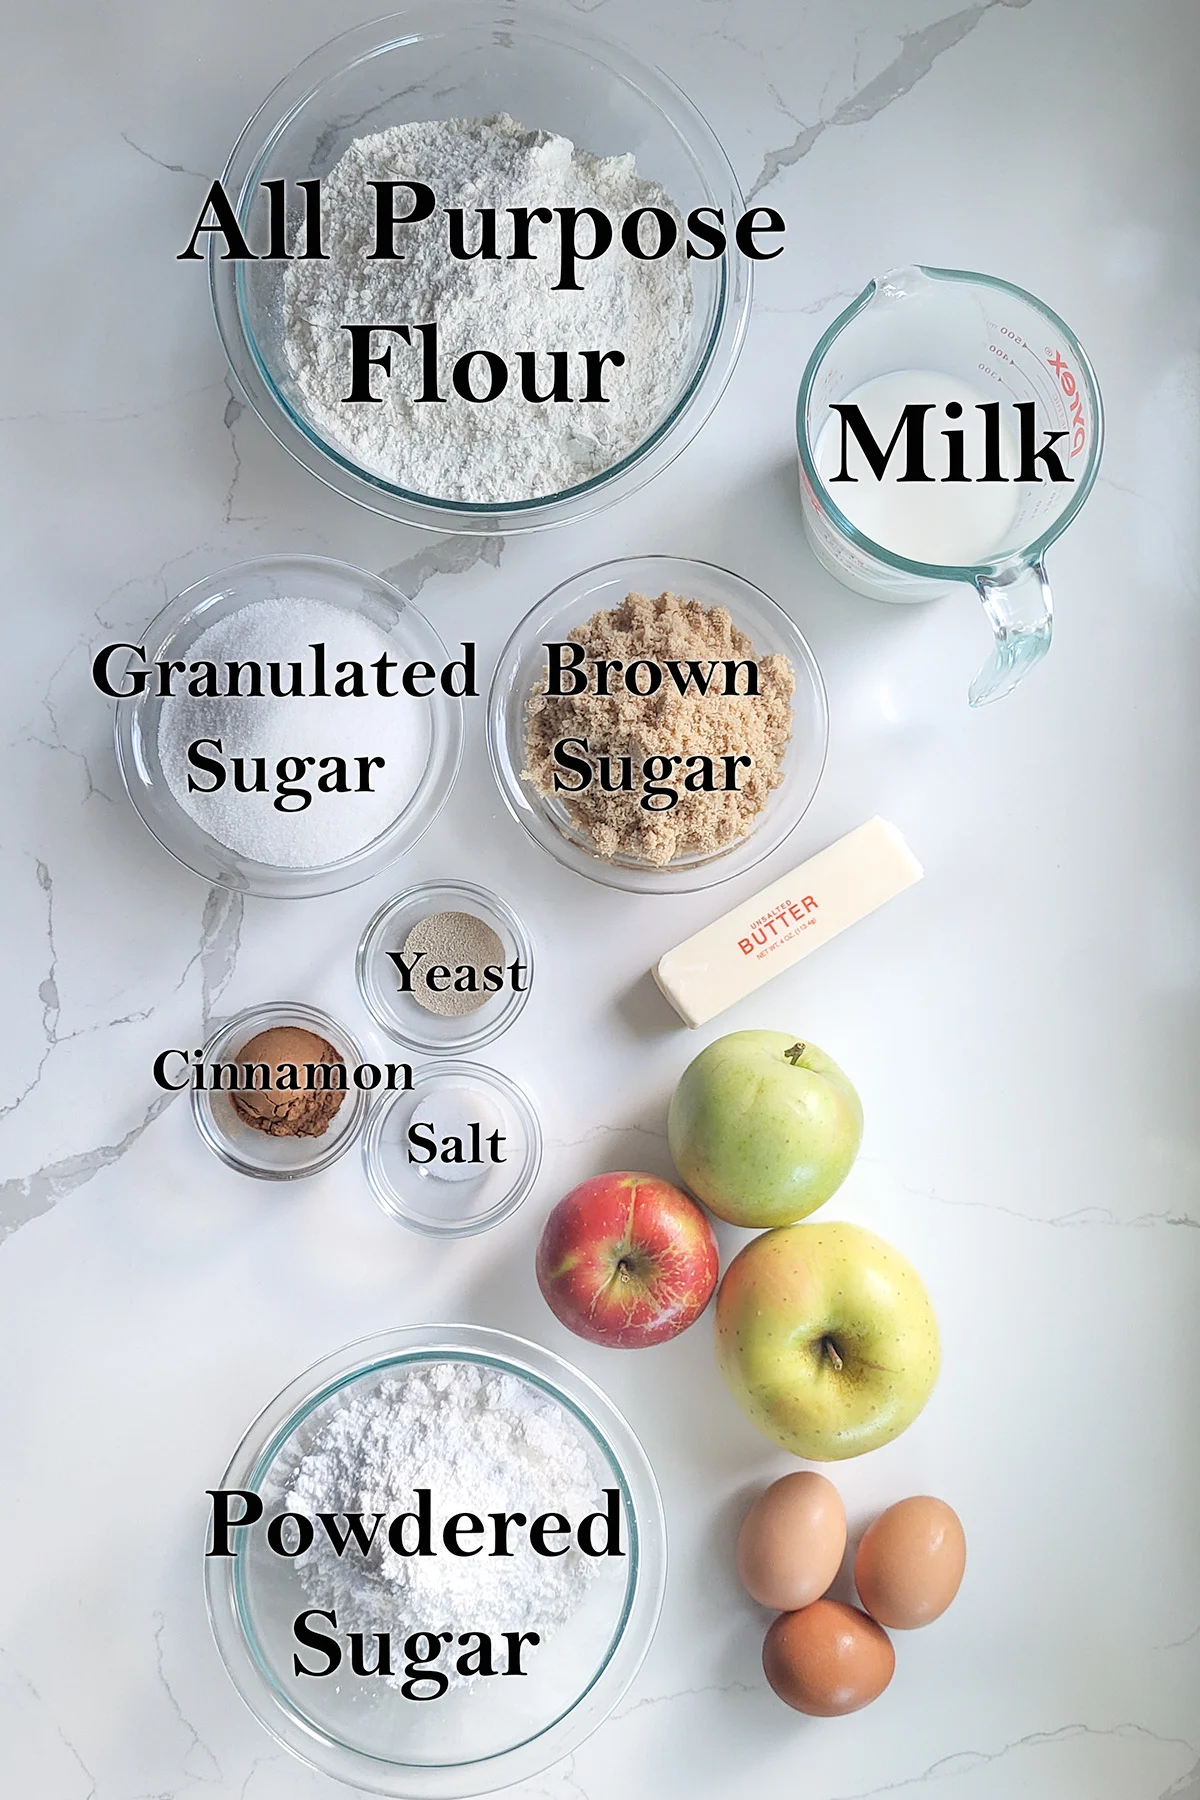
column 830, row 1349
column 795, row 1053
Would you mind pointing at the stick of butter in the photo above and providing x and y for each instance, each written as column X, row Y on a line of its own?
column 769, row 933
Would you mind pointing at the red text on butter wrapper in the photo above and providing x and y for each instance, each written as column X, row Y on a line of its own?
column 777, row 925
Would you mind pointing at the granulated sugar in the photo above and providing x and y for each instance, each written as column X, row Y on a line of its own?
column 332, row 825
column 481, row 1440
column 509, row 448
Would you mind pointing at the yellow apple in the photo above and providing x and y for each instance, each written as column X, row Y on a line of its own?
column 827, row 1338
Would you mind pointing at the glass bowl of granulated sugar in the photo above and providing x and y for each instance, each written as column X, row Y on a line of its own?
column 456, row 1569
column 513, row 385
column 266, row 734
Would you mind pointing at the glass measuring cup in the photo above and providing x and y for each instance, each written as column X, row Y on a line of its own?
column 1005, row 344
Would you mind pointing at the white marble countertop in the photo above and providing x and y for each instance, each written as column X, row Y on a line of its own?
column 1024, row 1028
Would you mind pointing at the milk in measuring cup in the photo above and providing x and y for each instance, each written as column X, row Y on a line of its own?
column 934, row 521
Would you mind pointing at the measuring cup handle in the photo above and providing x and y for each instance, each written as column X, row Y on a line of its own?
column 1020, row 611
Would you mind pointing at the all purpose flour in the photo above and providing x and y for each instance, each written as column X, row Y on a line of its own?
column 510, row 448
column 482, row 1440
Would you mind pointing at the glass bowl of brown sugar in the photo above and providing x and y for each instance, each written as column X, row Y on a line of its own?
column 658, row 724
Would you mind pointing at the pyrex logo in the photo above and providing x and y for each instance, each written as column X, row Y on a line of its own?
column 1070, row 388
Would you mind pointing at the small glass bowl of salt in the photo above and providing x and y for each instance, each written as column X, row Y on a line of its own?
column 444, row 966
column 454, row 1154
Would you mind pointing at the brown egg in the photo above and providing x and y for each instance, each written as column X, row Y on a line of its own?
column 792, row 1541
column 828, row 1659
column 910, row 1563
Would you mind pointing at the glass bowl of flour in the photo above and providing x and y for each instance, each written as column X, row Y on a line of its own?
column 509, row 391
column 457, row 1569
column 265, row 733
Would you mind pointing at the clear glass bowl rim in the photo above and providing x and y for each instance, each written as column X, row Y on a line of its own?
column 261, row 1443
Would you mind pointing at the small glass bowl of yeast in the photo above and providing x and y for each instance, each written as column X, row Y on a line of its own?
column 390, row 982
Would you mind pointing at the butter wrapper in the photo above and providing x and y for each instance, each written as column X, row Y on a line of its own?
column 787, row 921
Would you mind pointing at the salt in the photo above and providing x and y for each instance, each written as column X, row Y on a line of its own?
column 450, row 1109
column 331, row 826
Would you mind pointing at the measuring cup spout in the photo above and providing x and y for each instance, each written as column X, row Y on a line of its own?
column 1020, row 612
column 901, row 283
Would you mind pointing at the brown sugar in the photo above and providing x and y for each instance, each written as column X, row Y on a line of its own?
column 725, row 721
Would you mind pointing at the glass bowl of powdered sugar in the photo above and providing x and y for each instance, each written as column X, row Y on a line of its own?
column 289, row 726
column 456, row 1569
column 508, row 389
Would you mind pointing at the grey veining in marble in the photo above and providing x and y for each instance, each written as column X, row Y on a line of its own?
column 1025, row 1029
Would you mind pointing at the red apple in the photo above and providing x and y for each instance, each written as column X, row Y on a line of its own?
column 627, row 1260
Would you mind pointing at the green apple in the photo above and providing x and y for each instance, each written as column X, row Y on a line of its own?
column 764, row 1127
column 827, row 1338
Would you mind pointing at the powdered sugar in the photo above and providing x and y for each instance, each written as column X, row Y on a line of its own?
column 481, row 1440
column 510, row 448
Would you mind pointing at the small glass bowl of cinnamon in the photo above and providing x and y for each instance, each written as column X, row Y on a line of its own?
column 274, row 1092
